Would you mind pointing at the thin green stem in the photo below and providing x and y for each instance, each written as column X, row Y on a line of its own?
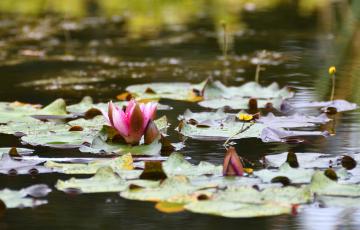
column 225, row 40
column 238, row 132
column 333, row 88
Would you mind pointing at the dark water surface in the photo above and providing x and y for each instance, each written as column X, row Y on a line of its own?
column 41, row 52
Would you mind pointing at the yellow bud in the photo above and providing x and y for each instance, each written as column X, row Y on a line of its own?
column 332, row 70
column 245, row 117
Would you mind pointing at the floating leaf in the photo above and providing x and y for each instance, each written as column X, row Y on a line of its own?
column 322, row 185
column 176, row 189
column 270, row 134
column 238, row 102
column 19, row 199
column 305, row 160
column 296, row 175
column 177, row 165
column 105, row 180
column 20, row 151
column 10, row 166
column 237, row 210
column 340, row 105
column 123, row 166
column 293, row 121
column 206, row 90
column 172, row 90
column 281, row 195
column 233, row 129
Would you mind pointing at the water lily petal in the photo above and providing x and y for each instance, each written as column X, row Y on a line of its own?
column 136, row 124
column 120, row 123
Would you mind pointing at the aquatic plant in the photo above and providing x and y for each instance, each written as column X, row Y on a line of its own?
column 133, row 122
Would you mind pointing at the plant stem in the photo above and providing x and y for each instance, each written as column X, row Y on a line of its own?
column 333, row 88
column 257, row 73
column 225, row 40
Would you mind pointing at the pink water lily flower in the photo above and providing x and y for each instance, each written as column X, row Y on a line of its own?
column 132, row 122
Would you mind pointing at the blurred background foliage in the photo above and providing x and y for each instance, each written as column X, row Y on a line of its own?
column 336, row 22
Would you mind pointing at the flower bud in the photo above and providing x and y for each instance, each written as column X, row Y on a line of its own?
column 151, row 133
column 332, row 70
column 232, row 165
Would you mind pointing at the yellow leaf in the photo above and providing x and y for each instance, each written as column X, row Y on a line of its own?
column 168, row 207
column 193, row 97
column 127, row 162
column 126, row 96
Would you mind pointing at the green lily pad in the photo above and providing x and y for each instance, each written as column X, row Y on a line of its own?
column 206, row 90
column 177, row 165
column 237, row 103
column 176, row 189
column 99, row 145
column 173, row 90
column 296, row 175
column 87, row 104
column 322, row 185
column 306, row 160
column 105, row 180
column 339, row 201
column 123, row 166
column 233, row 129
column 283, row 195
column 20, row 199
column 237, row 210
column 20, row 112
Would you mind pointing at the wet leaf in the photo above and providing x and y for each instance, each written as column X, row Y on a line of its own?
column 176, row 189
column 322, row 185
column 10, row 166
column 173, row 90
column 105, row 180
column 293, row 121
column 295, row 175
column 19, row 199
column 305, row 160
column 177, row 165
column 339, row 105
column 123, row 166
column 237, row 210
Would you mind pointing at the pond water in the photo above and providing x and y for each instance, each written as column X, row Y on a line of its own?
column 99, row 51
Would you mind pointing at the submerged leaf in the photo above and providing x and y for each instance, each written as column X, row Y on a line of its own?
column 168, row 207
